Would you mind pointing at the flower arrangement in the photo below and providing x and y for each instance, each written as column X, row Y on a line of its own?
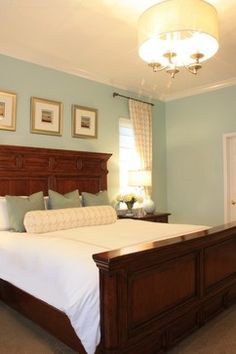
column 129, row 199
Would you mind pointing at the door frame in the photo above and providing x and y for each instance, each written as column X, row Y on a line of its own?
column 226, row 139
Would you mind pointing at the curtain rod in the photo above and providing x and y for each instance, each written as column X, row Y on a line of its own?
column 130, row 98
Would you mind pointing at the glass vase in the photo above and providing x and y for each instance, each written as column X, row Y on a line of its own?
column 129, row 205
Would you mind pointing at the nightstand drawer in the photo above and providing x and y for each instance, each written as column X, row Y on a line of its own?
column 155, row 217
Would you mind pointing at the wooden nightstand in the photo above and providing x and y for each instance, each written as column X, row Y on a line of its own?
column 155, row 217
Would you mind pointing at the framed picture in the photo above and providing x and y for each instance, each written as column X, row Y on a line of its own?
column 46, row 116
column 84, row 122
column 7, row 110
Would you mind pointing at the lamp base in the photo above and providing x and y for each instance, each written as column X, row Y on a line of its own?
column 149, row 205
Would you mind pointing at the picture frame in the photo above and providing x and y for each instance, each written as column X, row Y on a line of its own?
column 7, row 110
column 84, row 122
column 46, row 116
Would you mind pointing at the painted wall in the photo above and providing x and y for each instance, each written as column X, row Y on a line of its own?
column 187, row 133
column 28, row 80
column 195, row 127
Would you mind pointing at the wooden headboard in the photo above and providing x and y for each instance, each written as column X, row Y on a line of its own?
column 26, row 170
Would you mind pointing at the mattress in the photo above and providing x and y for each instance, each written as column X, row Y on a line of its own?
column 58, row 268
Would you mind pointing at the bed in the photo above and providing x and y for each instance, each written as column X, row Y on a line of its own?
column 152, row 294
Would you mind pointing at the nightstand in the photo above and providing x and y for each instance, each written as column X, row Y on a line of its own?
column 155, row 217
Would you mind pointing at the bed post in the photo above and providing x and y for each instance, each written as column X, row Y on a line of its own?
column 111, row 314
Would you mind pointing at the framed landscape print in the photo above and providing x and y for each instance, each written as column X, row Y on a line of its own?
column 7, row 110
column 46, row 116
column 84, row 122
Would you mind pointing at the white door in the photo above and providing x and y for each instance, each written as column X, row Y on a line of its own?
column 230, row 176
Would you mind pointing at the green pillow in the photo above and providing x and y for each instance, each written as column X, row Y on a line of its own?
column 17, row 207
column 60, row 201
column 100, row 198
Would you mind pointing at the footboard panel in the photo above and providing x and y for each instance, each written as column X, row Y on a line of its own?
column 165, row 282
column 224, row 255
column 154, row 296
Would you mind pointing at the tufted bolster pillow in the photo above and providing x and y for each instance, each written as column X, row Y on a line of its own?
column 61, row 219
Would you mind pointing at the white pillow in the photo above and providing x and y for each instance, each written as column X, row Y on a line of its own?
column 40, row 221
column 4, row 219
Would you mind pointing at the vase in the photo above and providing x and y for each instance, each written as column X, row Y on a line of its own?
column 129, row 205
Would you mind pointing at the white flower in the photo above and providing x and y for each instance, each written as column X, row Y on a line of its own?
column 131, row 197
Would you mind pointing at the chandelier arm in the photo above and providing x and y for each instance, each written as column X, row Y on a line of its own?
column 157, row 67
column 162, row 68
column 190, row 70
column 194, row 68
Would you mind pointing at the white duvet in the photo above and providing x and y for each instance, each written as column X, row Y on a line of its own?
column 58, row 268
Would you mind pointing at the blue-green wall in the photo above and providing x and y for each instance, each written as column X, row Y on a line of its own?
column 187, row 135
column 28, row 80
column 195, row 127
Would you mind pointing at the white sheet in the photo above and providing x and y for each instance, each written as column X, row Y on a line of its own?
column 58, row 268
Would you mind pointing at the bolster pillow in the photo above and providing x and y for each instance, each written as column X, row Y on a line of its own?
column 39, row 221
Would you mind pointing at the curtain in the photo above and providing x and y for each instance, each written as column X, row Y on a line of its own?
column 141, row 117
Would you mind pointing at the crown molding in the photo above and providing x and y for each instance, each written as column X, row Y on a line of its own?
column 61, row 68
column 199, row 90
column 139, row 93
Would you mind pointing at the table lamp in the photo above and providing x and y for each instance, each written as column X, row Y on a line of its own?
column 141, row 179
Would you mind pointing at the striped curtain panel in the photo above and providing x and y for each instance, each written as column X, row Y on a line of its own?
column 141, row 116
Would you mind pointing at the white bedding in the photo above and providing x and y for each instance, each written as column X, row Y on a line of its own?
column 58, row 268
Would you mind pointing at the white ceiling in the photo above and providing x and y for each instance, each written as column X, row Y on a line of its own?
column 97, row 39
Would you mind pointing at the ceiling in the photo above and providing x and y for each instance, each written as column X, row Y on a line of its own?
column 97, row 39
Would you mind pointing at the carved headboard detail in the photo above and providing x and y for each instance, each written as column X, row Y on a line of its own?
column 25, row 170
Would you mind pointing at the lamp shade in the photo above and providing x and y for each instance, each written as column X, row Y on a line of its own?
column 183, row 27
column 140, row 178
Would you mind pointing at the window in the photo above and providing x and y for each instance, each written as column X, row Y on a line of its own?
column 129, row 159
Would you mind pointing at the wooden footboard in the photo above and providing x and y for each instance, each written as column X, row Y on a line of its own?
column 154, row 295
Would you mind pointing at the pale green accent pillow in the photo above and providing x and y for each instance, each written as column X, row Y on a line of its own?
column 100, row 198
column 63, row 201
column 17, row 207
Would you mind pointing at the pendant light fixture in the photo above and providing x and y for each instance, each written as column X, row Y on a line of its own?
column 178, row 33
